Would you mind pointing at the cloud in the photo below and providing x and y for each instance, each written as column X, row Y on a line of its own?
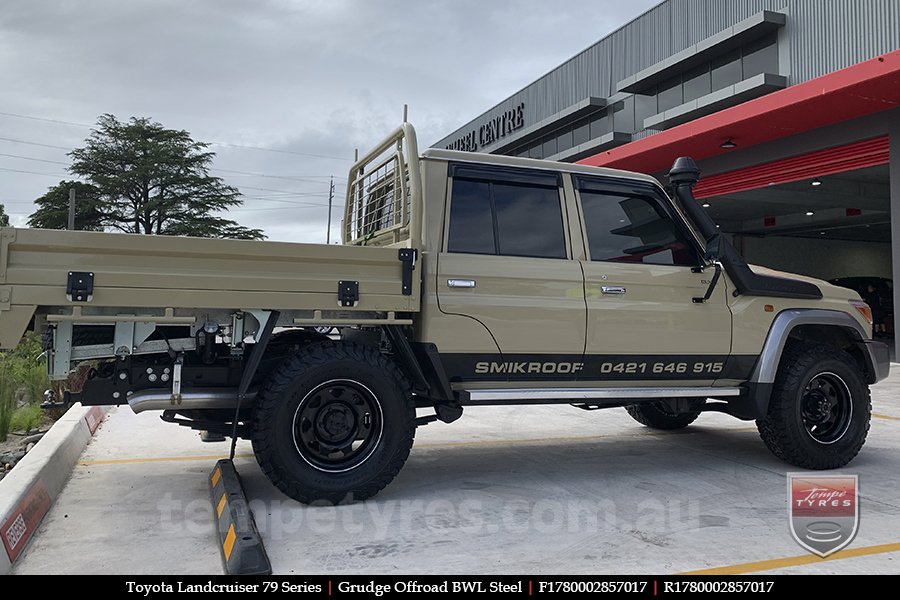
column 319, row 77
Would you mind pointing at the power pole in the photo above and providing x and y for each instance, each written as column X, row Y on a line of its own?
column 330, row 200
column 71, row 209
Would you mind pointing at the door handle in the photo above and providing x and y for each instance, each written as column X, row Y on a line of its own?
column 461, row 283
column 612, row 289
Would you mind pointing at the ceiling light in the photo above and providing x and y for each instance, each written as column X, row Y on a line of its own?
column 816, row 181
column 821, row 233
column 717, row 226
column 809, row 213
column 706, row 205
column 728, row 144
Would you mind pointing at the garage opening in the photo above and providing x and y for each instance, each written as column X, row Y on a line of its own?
column 813, row 217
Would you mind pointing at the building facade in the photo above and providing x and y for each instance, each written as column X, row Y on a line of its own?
column 790, row 107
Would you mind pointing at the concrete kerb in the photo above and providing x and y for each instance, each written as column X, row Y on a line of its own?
column 27, row 492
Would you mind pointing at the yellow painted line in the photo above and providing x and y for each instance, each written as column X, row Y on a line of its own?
column 151, row 459
column 795, row 561
column 221, row 505
column 228, row 546
column 888, row 417
column 216, row 476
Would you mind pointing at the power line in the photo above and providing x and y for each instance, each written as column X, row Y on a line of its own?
column 43, row 160
column 59, row 162
column 32, row 118
column 245, row 209
column 294, row 152
column 304, row 178
column 6, row 139
column 31, row 172
column 225, row 144
column 297, row 195
column 296, row 202
column 289, row 192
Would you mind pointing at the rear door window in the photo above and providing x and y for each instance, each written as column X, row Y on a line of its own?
column 498, row 212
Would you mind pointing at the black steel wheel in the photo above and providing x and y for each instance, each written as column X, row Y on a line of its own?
column 334, row 423
column 819, row 411
column 826, row 408
column 338, row 425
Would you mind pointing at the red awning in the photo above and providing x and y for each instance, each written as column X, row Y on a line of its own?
column 866, row 88
column 849, row 157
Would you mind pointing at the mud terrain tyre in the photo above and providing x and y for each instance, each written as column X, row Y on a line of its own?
column 657, row 415
column 819, row 412
column 334, row 423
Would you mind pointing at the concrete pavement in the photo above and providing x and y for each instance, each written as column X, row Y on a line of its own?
column 504, row 490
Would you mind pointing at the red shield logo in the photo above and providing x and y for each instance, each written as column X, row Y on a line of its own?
column 824, row 511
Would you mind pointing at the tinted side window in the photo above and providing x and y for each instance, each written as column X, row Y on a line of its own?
column 529, row 221
column 471, row 223
column 633, row 229
column 504, row 217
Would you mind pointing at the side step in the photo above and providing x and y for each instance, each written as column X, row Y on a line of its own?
column 242, row 549
column 611, row 396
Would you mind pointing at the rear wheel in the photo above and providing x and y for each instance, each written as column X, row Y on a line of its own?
column 819, row 412
column 333, row 423
column 662, row 414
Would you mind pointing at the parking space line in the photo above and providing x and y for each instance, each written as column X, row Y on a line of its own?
column 150, row 459
column 795, row 561
column 888, row 417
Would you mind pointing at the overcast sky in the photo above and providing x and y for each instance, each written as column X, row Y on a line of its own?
column 304, row 81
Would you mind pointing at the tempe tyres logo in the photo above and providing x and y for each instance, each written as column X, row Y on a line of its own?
column 824, row 511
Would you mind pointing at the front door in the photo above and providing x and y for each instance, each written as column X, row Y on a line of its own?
column 507, row 264
column 640, row 283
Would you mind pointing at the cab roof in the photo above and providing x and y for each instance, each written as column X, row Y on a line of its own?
column 531, row 163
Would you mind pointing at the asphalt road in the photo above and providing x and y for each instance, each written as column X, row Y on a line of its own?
column 503, row 490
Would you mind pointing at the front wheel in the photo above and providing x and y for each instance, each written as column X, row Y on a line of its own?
column 333, row 423
column 819, row 412
column 322, row 329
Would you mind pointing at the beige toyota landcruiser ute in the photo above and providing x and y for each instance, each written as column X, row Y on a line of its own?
column 463, row 280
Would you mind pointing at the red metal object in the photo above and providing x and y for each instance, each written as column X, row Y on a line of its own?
column 849, row 157
column 24, row 519
column 868, row 87
column 93, row 418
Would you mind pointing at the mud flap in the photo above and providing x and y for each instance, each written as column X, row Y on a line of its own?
column 242, row 548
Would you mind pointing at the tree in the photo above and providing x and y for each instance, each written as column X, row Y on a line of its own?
column 154, row 180
column 4, row 218
column 53, row 207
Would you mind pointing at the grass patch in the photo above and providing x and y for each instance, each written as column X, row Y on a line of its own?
column 23, row 375
column 30, row 416
column 7, row 402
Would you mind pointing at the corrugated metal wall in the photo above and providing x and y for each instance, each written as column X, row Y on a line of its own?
column 827, row 35
column 822, row 35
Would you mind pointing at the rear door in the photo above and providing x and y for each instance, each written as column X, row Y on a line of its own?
column 640, row 282
column 507, row 263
